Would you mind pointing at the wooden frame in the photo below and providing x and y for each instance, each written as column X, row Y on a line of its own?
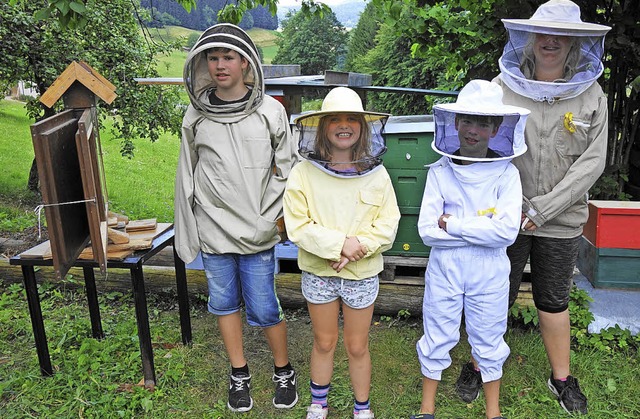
column 59, row 170
column 73, row 186
column 93, row 183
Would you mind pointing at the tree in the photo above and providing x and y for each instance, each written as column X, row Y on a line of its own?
column 72, row 13
column 362, row 37
column 621, row 83
column 390, row 64
column 457, row 39
column 39, row 50
column 313, row 42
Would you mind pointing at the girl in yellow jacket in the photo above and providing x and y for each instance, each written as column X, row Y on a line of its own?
column 341, row 211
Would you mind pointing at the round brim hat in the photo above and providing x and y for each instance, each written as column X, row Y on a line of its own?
column 561, row 17
column 339, row 100
column 481, row 97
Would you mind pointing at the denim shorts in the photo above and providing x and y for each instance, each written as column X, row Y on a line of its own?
column 234, row 278
column 356, row 294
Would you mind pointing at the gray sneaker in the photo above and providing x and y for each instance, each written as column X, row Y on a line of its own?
column 569, row 394
column 239, row 398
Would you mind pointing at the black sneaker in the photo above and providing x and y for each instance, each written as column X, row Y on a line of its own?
column 423, row 416
column 469, row 383
column 286, row 395
column 239, row 398
column 569, row 395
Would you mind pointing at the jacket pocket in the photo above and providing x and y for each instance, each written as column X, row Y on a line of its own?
column 370, row 197
column 572, row 144
column 369, row 206
column 265, row 232
column 256, row 153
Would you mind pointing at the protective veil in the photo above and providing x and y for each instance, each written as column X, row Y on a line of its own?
column 342, row 100
column 584, row 63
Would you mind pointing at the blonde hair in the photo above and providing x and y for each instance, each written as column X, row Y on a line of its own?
column 528, row 62
column 359, row 151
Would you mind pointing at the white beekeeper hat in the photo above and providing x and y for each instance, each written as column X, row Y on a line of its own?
column 481, row 98
column 557, row 17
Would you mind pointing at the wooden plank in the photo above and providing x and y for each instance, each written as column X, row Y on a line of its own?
column 405, row 261
column 393, row 297
column 93, row 186
column 41, row 251
column 140, row 225
column 58, row 87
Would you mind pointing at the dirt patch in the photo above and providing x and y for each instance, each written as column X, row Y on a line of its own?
column 12, row 244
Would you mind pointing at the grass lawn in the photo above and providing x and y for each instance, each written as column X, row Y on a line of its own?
column 141, row 187
column 172, row 65
column 99, row 378
column 16, row 148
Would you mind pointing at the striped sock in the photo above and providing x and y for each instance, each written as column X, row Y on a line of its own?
column 319, row 394
column 358, row 406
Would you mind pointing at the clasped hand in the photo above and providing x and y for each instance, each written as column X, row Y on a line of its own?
column 352, row 251
column 527, row 224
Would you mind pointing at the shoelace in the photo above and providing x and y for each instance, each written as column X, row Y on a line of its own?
column 281, row 380
column 315, row 414
column 468, row 375
column 572, row 384
column 238, row 382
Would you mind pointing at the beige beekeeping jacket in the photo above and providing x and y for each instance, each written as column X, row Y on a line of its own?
column 234, row 160
column 563, row 160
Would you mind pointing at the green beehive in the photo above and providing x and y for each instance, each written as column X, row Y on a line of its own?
column 408, row 140
column 408, row 241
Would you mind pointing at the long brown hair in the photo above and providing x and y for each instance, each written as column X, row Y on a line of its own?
column 360, row 150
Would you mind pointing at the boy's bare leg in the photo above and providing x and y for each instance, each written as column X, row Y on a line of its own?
column 556, row 335
column 429, row 389
column 230, row 326
column 492, row 397
column 277, row 339
column 357, row 323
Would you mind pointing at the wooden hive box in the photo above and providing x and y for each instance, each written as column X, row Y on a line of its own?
column 613, row 224
column 608, row 267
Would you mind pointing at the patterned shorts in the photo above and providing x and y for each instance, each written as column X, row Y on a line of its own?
column 357, row 294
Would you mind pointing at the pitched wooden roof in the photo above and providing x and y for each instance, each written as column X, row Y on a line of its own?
column 83, row 73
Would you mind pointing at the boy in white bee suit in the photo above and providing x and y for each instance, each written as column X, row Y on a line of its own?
column 470, row 213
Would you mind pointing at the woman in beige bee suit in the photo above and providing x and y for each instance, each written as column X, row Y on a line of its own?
column 550, row 65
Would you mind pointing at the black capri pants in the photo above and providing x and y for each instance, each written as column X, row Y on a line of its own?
column 552, row 263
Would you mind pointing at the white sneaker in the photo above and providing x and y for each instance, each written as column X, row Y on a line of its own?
column 316, row 411
column 364, row 414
